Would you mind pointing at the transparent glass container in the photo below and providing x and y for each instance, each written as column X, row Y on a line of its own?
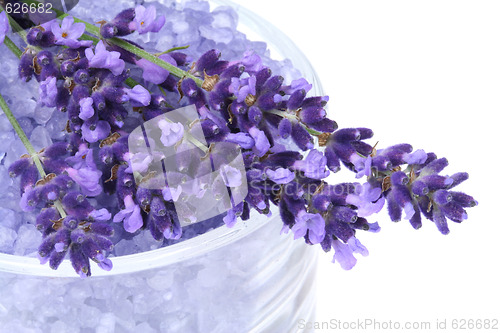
column 245, row 279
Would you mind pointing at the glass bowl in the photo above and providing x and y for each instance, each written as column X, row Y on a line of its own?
column 248, row 278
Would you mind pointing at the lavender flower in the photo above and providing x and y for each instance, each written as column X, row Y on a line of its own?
column 171, row 133
column 103, row 58
column 47, row 91
column 311, row 224
column 130, row 215
column 146, row 21
column 68, row 33
column 139, row 96
column 4, row 26
column 86, row 108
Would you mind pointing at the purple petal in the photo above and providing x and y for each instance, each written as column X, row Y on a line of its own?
column 86, row 108
column 139, row 94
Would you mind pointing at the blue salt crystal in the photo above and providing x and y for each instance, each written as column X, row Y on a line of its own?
column 40, row 138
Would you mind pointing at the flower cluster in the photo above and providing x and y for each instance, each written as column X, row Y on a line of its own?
column 105, row 171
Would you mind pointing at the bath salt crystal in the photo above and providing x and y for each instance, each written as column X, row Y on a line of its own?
column 162, row 280
column 43, row 114
column 145, row 328
column 55, row 126
column 225, row 17
column 107, row 324
column 28, row 239
column 124, row 247
column 223, row 35
column 144, row 241
column 26, row 125
column 9, row 217
column 59, row 327
column 40, row 138
column 7, row 238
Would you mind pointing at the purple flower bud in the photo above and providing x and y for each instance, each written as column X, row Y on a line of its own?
column 332, row 161
column 19, row 166
column 301, row 137
column 44, row 220
column 102, row 228
column 70, row 222
column 436, row 182
column 62, row 100
column 232, row 71
column 207, row 60
column 266, row 101
column 109, row 30
column 442, row 197
column 393, row 207
column 76, row 204
column 399, row 178
column 419, row 188
column 325, row 125
column 463, row 199
column 143, row 196
column 321, row 202
column 26, row 69
column 341, row 230
column 458, row 178
column 312, row 114
column 68, row 68
column 346, row 135
column 440, row 221
column 82, row 76
column 273, row 83
column 434, row 167
column 296, row 99
column 382, row 163
column 454, row 212
column 29, row 177
column 56, row 258
column 285, row 128
column 34, row 35
column 78, row 236
column 47, row 246
column 255, row 115
column 79, row 261
column 158, row 207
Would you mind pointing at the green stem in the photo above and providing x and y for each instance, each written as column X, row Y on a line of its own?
column 13, row 47
column 172, row 50
column 29, row 147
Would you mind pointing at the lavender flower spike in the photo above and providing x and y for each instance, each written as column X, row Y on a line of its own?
column 146, row 21
column 103, row 58
column 130, row 215
column 4, row 26
column 68, row 33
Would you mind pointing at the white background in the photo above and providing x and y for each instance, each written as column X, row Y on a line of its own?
column 425, row 73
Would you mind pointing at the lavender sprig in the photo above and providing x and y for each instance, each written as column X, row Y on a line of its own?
column 239, row 102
